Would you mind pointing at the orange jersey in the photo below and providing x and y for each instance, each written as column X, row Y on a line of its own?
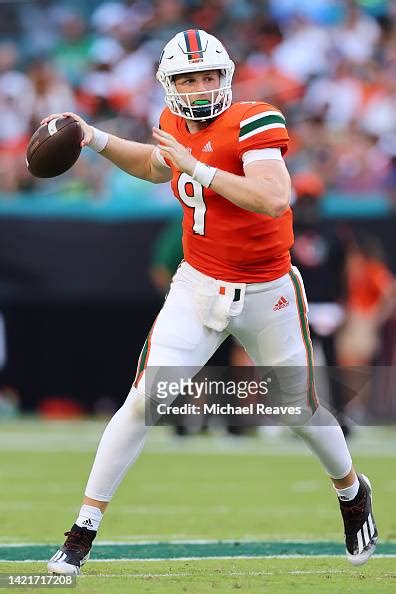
column 368, row 281
column 221, row 239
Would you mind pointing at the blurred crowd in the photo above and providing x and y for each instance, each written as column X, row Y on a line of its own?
column 330, row 65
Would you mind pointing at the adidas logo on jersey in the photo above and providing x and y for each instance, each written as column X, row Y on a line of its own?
column 207, row 148
column 281, row 303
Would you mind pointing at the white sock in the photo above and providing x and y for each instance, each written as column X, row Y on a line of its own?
column 89, row 517
column 348, row 493
column 324, row 436
column 121, row 443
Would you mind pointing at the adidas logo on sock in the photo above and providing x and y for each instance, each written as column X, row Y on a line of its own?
column 88, row 523
column 207, row 148
column 281, row 303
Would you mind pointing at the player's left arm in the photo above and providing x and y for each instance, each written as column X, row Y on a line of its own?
column 265, row 188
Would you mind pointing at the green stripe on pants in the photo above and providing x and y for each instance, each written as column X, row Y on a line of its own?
column 307, row 341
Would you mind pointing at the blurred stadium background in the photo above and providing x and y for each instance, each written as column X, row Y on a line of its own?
column 85, row 257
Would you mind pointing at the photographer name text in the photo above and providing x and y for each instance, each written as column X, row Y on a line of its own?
column 256, row 408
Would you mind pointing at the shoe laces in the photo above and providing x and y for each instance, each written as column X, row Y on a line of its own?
column 77, row 541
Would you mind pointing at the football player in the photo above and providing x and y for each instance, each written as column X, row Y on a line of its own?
column 225, row 163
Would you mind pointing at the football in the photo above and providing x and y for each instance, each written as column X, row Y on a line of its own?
column 54, row 147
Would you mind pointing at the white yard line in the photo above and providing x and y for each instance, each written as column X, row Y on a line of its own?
column 187, row 541
column 220, row 558
column 229, row 574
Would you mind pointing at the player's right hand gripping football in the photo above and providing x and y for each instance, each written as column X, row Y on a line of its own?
column 86, row 128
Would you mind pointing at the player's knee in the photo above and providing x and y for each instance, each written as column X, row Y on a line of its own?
column 297, row 416
column 134, row 404
column 319, row 417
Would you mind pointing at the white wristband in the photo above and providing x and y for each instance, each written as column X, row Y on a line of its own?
column 99, row 140
column 204, row 174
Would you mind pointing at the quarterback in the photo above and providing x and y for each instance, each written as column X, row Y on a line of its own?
column 225, row 164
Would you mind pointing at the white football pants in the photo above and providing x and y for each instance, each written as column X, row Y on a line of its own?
column 269, row 320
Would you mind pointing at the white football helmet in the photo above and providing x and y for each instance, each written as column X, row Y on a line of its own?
column 194, row 51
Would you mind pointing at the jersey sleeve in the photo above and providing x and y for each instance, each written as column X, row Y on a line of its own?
column 262, row 126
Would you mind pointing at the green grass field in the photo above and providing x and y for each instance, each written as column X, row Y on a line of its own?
column 202, row 514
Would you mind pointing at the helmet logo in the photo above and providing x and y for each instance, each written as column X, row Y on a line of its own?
column 193, row 45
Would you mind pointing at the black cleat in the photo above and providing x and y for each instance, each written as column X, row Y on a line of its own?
column 75, row 551
column 360, row 530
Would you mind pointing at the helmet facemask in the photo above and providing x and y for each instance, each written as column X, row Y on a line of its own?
column 182, row 105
